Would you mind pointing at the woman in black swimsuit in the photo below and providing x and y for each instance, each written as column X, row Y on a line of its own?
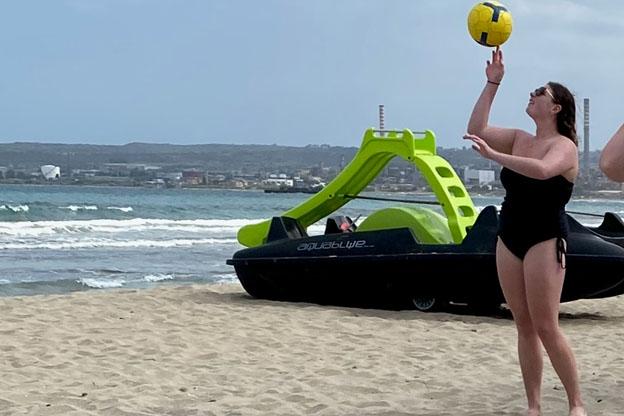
column 538, row 175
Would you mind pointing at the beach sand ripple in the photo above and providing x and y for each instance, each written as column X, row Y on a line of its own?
column 213, row 350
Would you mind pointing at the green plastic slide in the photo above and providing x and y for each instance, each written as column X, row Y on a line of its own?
column 376, row 151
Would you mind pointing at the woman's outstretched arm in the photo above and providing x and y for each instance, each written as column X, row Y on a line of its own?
column 500, row 139
column 612, row 157
column 558, row 160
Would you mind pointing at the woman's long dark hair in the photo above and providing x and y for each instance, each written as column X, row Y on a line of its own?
column 566, row 118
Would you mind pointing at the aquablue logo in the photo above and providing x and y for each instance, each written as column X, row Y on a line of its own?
column 333, row 245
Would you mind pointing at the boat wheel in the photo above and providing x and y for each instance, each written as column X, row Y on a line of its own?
column 424, row 303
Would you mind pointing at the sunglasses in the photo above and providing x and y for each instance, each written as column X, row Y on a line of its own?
column 541, row 91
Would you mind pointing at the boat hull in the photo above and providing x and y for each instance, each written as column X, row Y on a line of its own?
column 390, row 268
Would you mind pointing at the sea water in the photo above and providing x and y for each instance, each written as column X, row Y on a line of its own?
column 58, row 239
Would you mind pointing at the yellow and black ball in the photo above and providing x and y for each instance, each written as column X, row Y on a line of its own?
column 490, row 23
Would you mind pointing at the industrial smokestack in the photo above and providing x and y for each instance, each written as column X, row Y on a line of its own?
column 586, row 138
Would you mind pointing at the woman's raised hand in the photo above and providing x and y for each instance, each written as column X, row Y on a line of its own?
column 495, row 69
column 480, row 146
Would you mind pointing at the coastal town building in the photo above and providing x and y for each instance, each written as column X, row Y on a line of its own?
column 480, row 177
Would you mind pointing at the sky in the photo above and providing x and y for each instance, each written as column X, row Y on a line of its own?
column 290, row 72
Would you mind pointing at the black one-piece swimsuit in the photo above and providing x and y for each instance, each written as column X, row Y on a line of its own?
column 533, row 211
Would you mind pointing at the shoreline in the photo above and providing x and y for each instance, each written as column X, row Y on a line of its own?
column 213, row 350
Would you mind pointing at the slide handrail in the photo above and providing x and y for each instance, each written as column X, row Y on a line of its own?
column 377, row 150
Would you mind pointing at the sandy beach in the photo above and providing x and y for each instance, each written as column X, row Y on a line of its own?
column 213, row 350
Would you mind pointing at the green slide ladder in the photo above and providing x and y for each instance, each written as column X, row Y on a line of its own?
column 377, row 149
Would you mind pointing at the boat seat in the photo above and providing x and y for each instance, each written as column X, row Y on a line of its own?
column 612, row 225
column 339, row 224
column 428, row 226
column 285, row 228
column 482, row 235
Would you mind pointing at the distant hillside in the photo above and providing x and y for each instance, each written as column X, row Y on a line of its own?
column 216, row 157
column 208, row 156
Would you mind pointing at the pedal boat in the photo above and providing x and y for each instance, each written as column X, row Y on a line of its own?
column 406, row 256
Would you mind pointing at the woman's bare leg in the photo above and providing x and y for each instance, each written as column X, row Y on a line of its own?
column 544, row 278
column 511, row 277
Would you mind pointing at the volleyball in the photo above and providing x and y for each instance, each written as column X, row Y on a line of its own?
column 489, row 23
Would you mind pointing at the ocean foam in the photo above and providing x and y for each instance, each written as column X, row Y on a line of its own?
column 81, row 208
column 100, row 283
column 158, row 277
column 39, row 228
column 15, row 208
column 225, row 277
column 123, row 209
column 106, row 243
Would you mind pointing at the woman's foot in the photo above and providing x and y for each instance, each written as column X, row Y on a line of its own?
column 533, row 412
column 578, row 411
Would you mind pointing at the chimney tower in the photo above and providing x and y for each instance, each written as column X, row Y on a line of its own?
column 586, row 138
